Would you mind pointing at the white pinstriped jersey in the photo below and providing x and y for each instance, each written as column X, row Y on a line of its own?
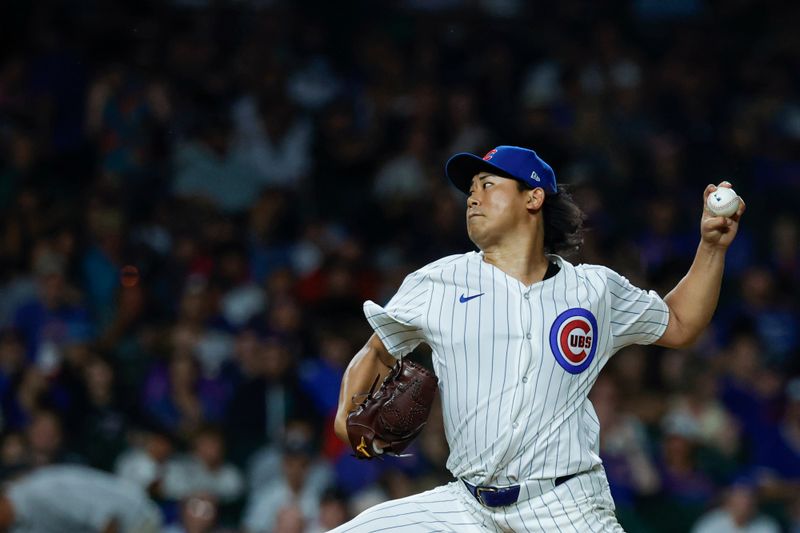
column 516, row 363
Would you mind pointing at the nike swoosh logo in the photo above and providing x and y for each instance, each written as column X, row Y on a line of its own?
column 464, row 299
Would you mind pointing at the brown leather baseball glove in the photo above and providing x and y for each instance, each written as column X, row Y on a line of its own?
column 395, row 414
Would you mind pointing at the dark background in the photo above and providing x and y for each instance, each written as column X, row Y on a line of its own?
column 198, row 196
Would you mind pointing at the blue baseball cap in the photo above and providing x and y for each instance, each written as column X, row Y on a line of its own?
column 512, row 162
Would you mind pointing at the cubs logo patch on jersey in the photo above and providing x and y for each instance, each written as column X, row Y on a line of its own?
column 573, row 339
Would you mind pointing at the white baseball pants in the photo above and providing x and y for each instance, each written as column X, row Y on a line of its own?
column 583, row 505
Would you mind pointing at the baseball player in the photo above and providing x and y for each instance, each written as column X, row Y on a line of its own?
column 72, row 498
column 518, row 337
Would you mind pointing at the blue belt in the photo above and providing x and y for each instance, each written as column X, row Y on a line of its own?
column 503, row 496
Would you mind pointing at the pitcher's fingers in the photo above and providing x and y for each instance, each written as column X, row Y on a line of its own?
column 738, row 214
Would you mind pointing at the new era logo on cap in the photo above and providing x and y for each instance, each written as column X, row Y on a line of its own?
column 509, row 161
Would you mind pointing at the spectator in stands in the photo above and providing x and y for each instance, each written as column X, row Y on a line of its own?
column 749, row 389
column 252, row 421
column 103, row 421
column 699, row 401
column 22, row 166
column 13, row 451
column 144, row 462
column 290, row 519
column 12, row 358
column 55, row 317
column 344, row 160
column 289, row 490
column 686, row 486
column 785, row 250
column 626, row 455
column 778, row 450
column 44, row 438
column 266, row 464
column 271, row 135
column 180, row 398
column 209, row 172
column 405, row 176
column 319, row 376
column 27, row 393
column 102, row 261
column 203, row 471
column 198, row 514
column 738, row 512
column 332, row 511
column 240, row 297
column 125, row 117
column 55, row 499
column 768, row 309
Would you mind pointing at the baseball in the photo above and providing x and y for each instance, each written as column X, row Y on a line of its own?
column 723, row 202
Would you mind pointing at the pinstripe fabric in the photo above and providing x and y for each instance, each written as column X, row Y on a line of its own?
column 440, row 509
column 581, row 505
column 513, row 394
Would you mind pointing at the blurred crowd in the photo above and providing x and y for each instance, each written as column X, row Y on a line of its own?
column 196, row 197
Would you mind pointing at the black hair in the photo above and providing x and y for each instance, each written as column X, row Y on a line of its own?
column 563, row 221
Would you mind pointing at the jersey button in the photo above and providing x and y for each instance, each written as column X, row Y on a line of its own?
column 526, row 295
column 525, row 379
column 515, row 425
column 528, row 336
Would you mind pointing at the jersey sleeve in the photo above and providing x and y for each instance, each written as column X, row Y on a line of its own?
column 637, row 316
column 399, row 323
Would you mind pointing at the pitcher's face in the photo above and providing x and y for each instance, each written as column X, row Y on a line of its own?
column 495, row 205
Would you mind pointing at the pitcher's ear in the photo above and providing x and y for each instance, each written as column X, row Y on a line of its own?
column 535, row 198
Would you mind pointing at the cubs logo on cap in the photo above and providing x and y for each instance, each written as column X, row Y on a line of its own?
column 521, row 164
column 573, row 339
